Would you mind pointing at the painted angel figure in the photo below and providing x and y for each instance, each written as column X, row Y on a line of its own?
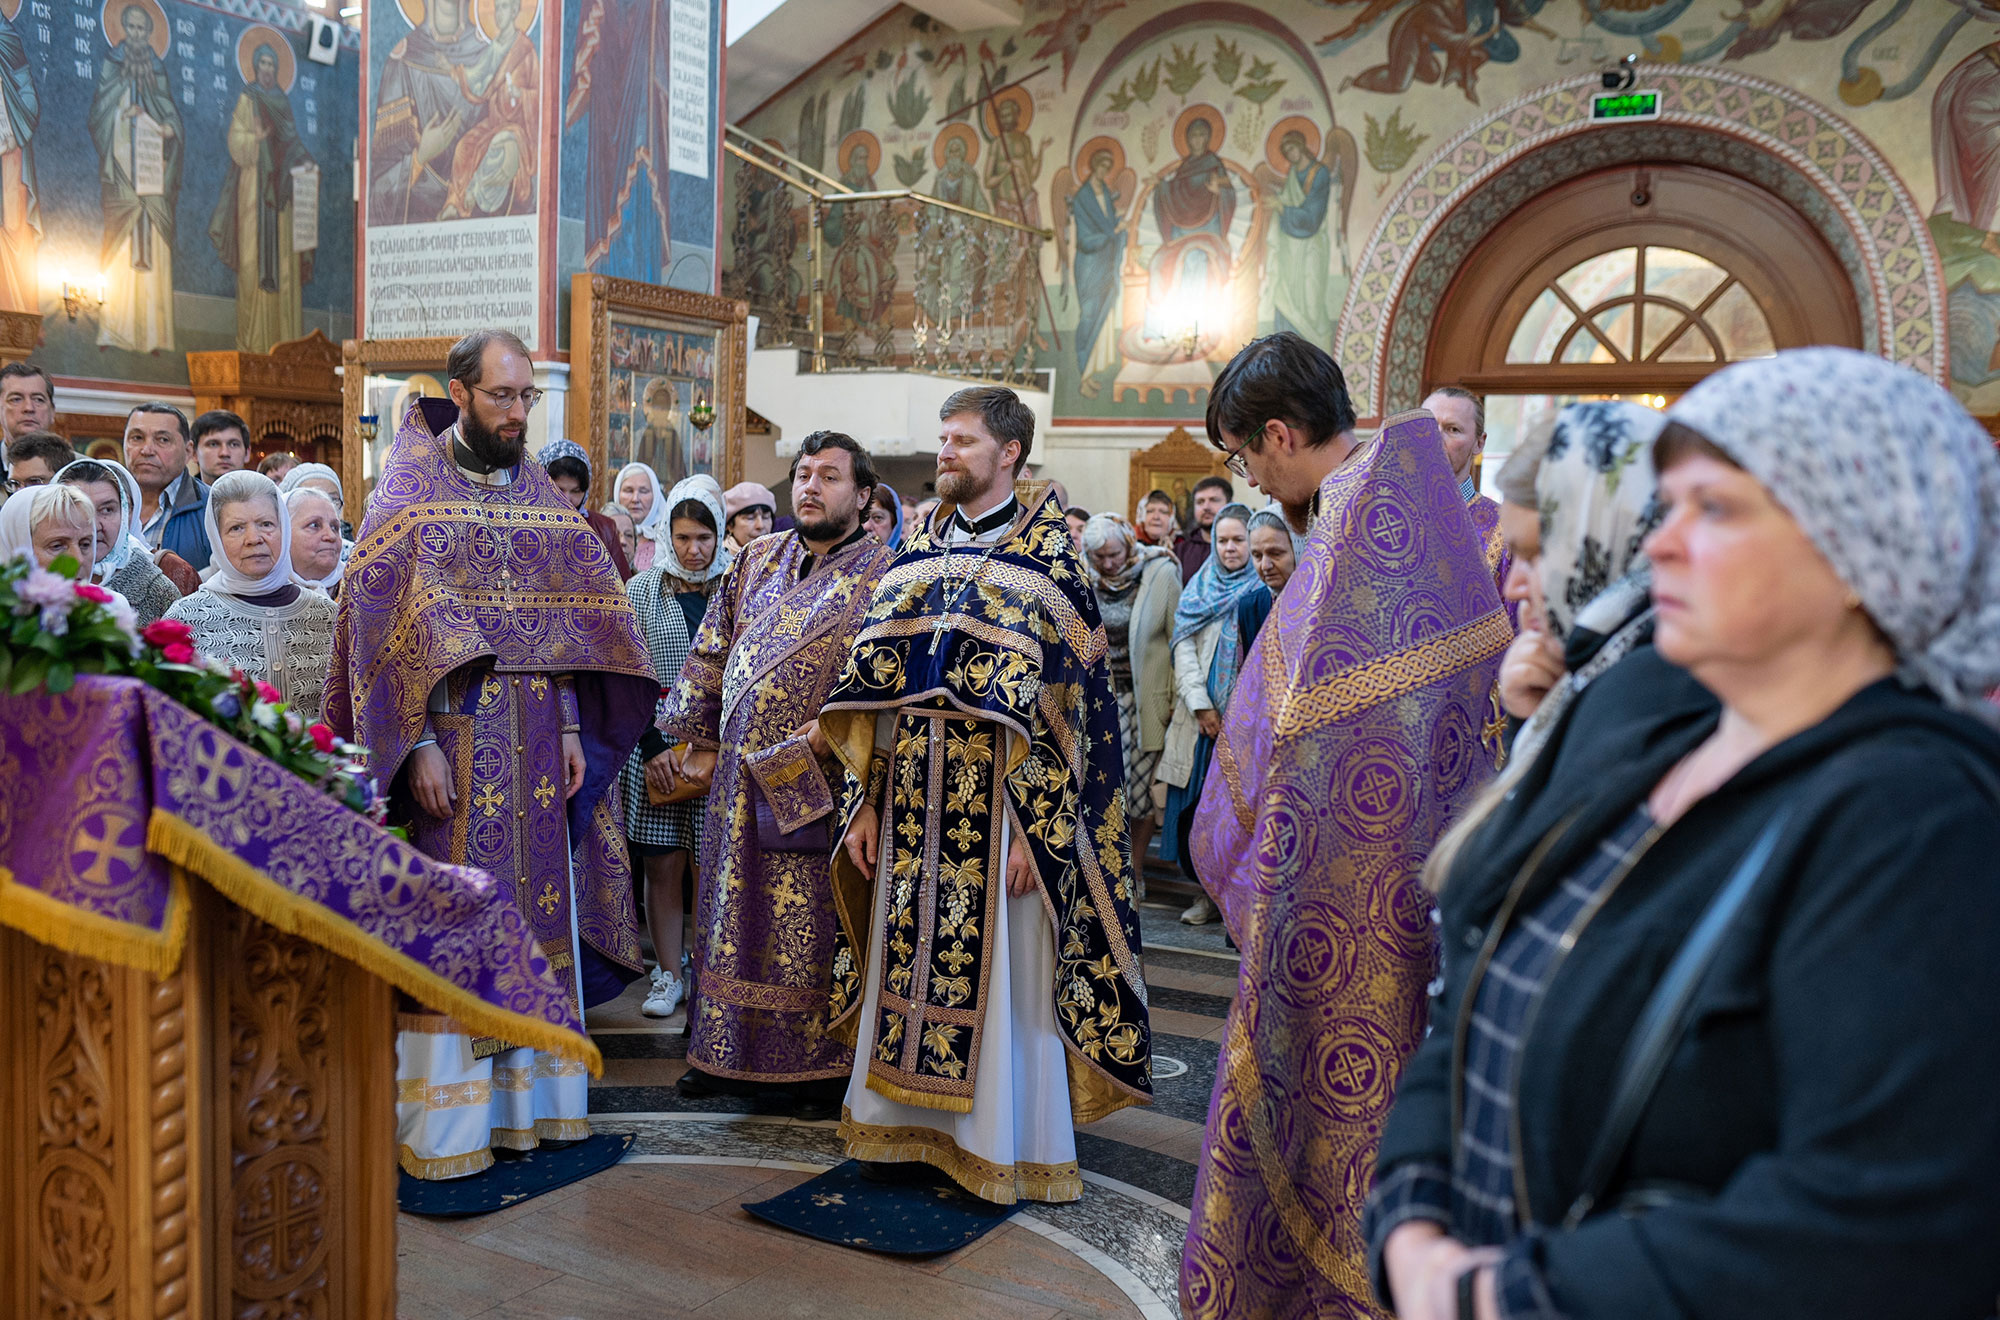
column 1091, row 204
column 1306, row 189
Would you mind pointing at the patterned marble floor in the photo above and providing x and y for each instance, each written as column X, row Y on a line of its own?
column 663, row 1234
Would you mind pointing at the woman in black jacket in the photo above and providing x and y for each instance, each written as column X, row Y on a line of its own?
column 1824, row 1137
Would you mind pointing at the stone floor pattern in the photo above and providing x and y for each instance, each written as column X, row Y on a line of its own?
column 663, row 1234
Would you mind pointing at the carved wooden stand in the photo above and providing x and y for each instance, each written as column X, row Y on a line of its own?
column 217, row 1143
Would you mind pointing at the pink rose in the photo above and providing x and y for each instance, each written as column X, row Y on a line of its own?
column 322, row 737
column 265, row 692
column 177, row 653
column 167, row 632
column 91, row 592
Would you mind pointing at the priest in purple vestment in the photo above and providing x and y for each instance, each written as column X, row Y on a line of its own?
column 487, row 657
column 1352, row 736
column 776, row 637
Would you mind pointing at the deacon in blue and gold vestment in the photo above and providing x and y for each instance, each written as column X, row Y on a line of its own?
column 481, row 613
column 977, row 715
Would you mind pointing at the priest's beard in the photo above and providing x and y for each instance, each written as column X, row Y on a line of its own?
column 961, row 489
column 824, row 527
column 493, row 448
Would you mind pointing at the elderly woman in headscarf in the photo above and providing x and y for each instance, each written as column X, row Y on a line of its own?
column 320, row 477
column 123, row 562
column 48, row 522
column 568, row 467
column 250, row 614
column 671, row 599
column 317, row 562
column 639, row 494
column 750, row 510
column 1137, row 587
column 1208, row 653
column 1716, row 1031
column 884, row 519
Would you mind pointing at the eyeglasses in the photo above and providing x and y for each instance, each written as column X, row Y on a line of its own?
column 504, row 399
column 1235, row 462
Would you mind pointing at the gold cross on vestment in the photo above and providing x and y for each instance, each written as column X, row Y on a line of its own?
column 489, row 798
column 545, row 791
column 549, row 900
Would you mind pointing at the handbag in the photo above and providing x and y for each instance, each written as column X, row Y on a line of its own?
column 683, row 789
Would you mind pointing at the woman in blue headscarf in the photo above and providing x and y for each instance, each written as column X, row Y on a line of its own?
column 1207, row 655
column 884, row 519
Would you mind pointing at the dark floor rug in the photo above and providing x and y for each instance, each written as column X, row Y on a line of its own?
column 925, row 1214
column 514, row 1178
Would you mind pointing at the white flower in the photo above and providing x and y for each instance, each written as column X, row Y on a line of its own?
column 265, row 715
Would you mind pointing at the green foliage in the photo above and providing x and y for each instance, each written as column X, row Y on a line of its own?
column 910, row 170
column 1146, row 82
column 812, row 130
column 909, row 102
column 1389, row 146
column 852, row 107
column 1121, row 97
column 1261, row 69
column 883, row 59
column 1228, row 61
column 1184, row 70
column 1007, row 50
column 957, row 100
column 1259, row 92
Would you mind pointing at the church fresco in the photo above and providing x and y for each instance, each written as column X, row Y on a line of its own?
column 168, row 155
column 1213, row 171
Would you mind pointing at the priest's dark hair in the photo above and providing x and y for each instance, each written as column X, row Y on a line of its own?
column 466, row 361
column 1003, row 413
column 821, row 441
column 1283, row 377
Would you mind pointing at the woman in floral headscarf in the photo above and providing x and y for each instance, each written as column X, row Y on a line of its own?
column 1137, row 588
column 639, row 493
column 1716, row 1032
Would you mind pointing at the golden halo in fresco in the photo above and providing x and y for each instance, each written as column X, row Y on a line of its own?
column 1019, row 96
column 258, row 35
column 1217, row 133
column 112, row 20
column 958, row 130
column 863, row 138
column 1274, row 142
column 1092, row 147
column 489, row 22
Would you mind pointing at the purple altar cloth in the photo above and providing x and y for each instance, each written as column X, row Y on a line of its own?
column 112, row 795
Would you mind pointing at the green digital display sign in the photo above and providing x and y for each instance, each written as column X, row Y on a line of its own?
column 1625, row 105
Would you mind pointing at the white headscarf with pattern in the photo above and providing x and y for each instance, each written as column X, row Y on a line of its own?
column 1892, row 481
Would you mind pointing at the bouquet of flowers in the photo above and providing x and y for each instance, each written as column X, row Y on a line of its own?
column 57, row 628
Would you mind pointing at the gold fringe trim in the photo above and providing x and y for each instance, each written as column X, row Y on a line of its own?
column 513, row 1138
column 449, row 1166
column 55, row 923
column 1000, row 1184
column 255, row 892
column 562, row 1129
column 903, row 1095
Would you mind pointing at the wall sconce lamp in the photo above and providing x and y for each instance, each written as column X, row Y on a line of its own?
column 702, row 415
column 78, row 297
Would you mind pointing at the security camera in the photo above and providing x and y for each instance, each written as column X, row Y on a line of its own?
column 1620, row 75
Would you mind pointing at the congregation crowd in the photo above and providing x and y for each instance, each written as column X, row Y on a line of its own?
column 1608, row 862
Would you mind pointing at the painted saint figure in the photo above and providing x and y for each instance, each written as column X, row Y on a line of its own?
column 1302, row 249
column 421, row 112
column 1194, row 206
column 1096, row 207
column 1014, row 162
column 20, row 199
column 132, row 110
column 862, row 237
column 493, row 165
column 957, row 181
column 252, row 224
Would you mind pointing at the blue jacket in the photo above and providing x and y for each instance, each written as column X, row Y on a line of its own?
column 184, row 531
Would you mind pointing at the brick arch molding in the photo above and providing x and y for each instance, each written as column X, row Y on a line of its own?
column 1772, row 136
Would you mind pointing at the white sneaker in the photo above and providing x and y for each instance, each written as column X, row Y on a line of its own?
column 665, row 995
column 1200, row 912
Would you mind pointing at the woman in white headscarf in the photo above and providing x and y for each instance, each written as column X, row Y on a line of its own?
column 1137, row 587
column 320, row 477
column 670, row 599
column 639, row 494
column 124, row 562
column 318, row 563
column 250, row 614
column 45, row 523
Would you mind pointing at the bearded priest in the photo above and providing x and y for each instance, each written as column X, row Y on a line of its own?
column 487, row 657
column 984, row 874
column 776, row 636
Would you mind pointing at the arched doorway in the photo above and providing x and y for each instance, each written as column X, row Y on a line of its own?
column 1633, row 282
